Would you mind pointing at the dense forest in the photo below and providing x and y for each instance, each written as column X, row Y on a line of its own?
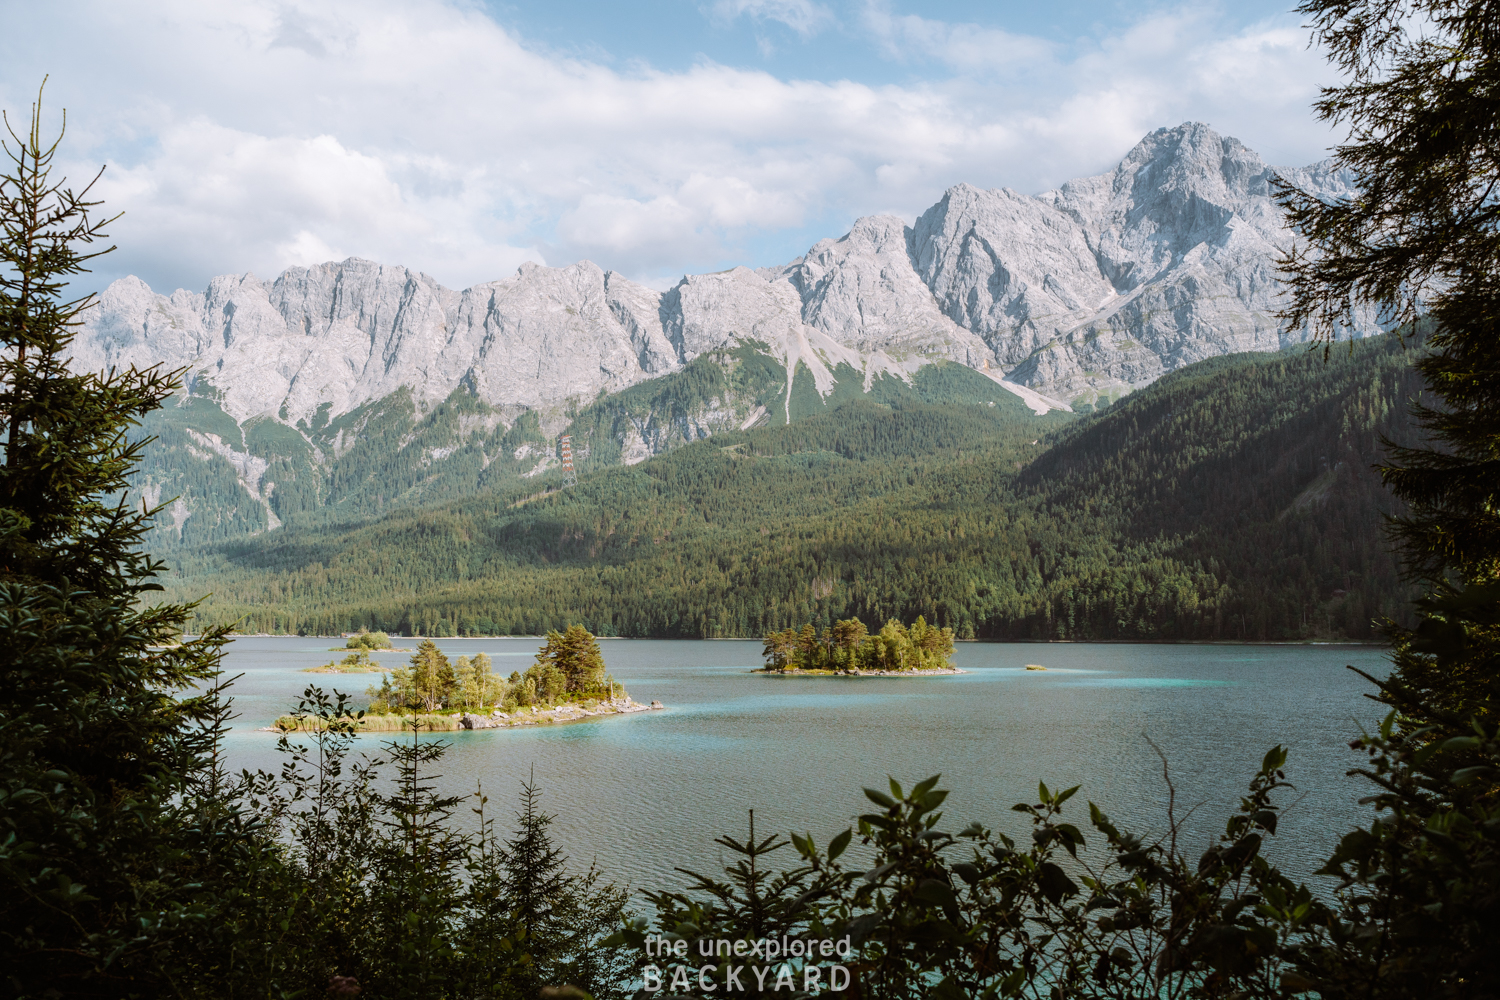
column 1234, row 499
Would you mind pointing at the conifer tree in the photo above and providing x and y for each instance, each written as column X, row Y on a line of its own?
column 575, row 654
column 99, row 831
column 1420, row 243
column 432, row 675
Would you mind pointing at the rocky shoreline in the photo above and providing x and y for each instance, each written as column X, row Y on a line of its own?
column 563, row 713
column 496, row 719
column 860, row 673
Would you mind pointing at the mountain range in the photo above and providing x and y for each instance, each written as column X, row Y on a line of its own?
column 356, row 385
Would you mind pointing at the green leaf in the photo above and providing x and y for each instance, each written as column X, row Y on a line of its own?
column 937, row 892
column 803, row 845
column 924, row 787
column 1388, row 724
column 1266, row 820
column 931, row 800
column 1054, row 883
column 1101, row 822
column 881, row 799
column 837, row 845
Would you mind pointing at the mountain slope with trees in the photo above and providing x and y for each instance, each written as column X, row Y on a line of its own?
column 1231, row 500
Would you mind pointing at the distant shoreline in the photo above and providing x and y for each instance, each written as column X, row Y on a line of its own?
column 750, row 638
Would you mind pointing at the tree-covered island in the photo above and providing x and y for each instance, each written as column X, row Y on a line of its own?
column 568, row 681
column 369, row 642
column 851, row 649
column 360, row 646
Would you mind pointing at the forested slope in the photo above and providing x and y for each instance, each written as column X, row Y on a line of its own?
column 231, row 481
column 1231, row 500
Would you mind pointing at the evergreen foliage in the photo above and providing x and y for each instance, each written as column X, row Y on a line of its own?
column 97, row 832
column 377, row 885
column 575, row 654
column 394, row 453
column 132, row 863
column 568, row 667
column 850, row 647
column 1231, row 500
column 567, row 917
column 1422, row 241
column 1421, row 887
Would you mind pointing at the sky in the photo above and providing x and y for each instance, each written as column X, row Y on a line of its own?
column 463, row 137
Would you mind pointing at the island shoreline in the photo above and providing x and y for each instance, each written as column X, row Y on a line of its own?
column 934, row 671
column 470, row 721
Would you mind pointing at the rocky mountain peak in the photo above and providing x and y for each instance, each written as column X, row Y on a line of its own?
column 1089, row 290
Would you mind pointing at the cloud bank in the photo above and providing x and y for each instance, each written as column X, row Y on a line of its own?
column 253, row 135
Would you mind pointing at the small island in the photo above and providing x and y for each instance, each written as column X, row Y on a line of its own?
column 368, row 642
column 567, row 683
column 358, row 661
column 850, row 649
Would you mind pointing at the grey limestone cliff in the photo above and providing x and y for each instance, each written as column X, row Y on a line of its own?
column 1085, row 292
column 1093, row 289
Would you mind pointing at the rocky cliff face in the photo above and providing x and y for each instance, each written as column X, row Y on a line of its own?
column 1109, row 282
column 340, row 335
column 1088, row 291
column 1093, row 289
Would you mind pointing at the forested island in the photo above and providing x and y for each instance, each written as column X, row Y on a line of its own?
column 850, row 649
column 567, row 682
column 358, row 661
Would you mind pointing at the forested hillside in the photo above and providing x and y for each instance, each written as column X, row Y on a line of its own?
column 231, row 481
column 1231, row 500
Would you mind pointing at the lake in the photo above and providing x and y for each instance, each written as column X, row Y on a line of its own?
column 641, row 794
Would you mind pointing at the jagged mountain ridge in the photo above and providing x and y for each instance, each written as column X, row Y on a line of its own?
column 1088, row 291
column 1092, row 289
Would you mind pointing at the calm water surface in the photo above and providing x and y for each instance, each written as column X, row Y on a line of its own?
column 640, row 794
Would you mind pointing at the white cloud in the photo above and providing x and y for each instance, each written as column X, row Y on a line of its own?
column 802, row 16
column 967, row 48
column 255, row 134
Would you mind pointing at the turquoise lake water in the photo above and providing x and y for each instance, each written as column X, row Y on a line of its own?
column 642, row 794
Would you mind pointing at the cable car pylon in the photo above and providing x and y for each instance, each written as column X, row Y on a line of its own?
column 570, row 477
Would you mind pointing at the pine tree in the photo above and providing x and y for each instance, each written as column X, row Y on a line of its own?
column 101, row 835
column 432, row 675
column 1420, row 243
column 535, row 875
